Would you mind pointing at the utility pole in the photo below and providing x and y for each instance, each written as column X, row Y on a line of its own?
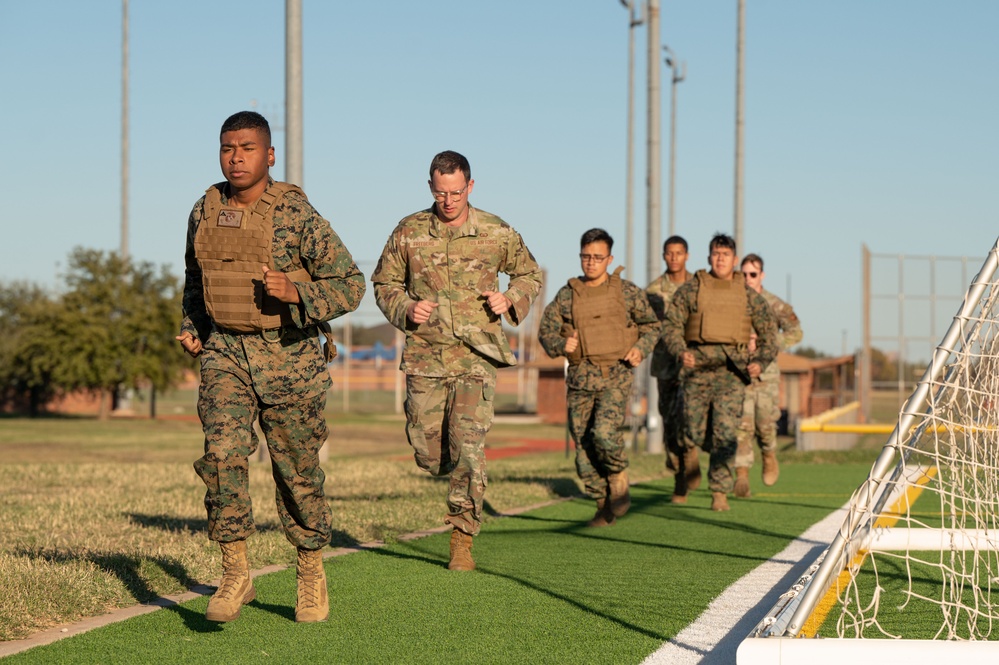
column 740, row 80
column 124, row 129
column 653, row 423
column 679, row 71
column 634, row 20
column 293, row 92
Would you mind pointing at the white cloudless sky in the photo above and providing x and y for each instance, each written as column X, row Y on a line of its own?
column 867, row 122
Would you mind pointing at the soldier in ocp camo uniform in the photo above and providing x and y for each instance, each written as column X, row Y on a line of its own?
column 707, row 329
column 438, row 281
column 264, row 273
column 605, row 326
column 761, row 410
column 681, row 454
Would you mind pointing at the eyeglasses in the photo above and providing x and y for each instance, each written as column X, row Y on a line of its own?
column 592, row 258
column 444, row 196
column 754, row 275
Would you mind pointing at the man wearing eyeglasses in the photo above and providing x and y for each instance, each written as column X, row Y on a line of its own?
column 604, row 326
column 761, row 409
column 438, row 281
column 681, row 459
column 707, row 330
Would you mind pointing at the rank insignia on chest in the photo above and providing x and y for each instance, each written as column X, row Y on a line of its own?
column 230, row 218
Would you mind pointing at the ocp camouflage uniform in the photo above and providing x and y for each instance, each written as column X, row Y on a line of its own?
column 279, row 376
column 761, row 409
column 451, row 360
column 598, row 393
column 714, row 389
column 667, row 372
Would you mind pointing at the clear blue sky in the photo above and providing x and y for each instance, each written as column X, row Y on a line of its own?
column 867, row 121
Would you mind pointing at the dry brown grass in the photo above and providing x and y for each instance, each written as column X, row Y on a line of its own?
column 96, row 516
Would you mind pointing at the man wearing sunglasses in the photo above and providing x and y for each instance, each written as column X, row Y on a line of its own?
column 604, row 326
column 761, row 409
column 438, row 281
column 707, row 330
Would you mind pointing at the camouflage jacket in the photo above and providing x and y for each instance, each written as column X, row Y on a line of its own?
column 424, row 259
column 660, row 294
column 588, row 375
column 788, row 330
column 714, row 356
column 287, row 364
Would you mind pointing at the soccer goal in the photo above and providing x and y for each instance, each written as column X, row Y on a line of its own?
column 913, row 572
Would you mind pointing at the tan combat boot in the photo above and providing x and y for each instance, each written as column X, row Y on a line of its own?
column 603, row 516
column 719, row 501
column 235, row 588
column 620, row 495
column 742, row 483
column 313, row 602
column 692, row 468
column 771, row 470
column 461, row 551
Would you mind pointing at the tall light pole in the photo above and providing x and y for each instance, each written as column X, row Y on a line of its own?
column 124, row 129
column 679, row 71
column 293, row 92
column 634, row 20
column 653, row 423
column 740, row 80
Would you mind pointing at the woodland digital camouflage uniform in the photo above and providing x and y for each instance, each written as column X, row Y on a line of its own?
column 666, row 370
column 761, row 409
column 598, row 397
column 452, row 358
column 714, row 389
column 280, row 376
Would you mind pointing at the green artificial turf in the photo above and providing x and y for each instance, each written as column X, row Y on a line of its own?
column 547, row 589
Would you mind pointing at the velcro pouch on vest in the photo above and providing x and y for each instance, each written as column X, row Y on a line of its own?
column 721, row 312
column 600, row 315
column 231, row 245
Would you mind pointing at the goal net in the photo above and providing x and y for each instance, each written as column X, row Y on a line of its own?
column 917, row 556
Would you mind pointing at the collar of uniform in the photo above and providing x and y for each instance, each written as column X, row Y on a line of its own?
column 469, row 228
column 225, row 190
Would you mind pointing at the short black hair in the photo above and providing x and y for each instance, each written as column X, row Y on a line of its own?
column 246, row 120
column 448, row 162
column 596, row 235
column 722, row 241
column 752, row 258
column 676, row 240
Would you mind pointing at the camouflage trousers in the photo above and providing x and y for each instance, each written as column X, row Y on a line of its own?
column 760, row 413
column 447, row 419
column 712, row 401
column 295, row 432
column 597, row 423
column 671, row 411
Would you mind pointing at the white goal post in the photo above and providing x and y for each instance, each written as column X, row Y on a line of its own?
column 929, row 509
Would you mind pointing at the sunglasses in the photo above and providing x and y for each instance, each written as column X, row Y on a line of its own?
column 754, row 275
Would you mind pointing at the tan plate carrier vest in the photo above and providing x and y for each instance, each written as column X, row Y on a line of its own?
column 231, row 245
column 721, row 316
column 600, row 316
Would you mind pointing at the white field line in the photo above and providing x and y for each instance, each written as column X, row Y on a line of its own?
column 715, row 636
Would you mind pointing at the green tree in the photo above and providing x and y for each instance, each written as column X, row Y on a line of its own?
column 809, row 352
column 24, row 378
column 113, row 327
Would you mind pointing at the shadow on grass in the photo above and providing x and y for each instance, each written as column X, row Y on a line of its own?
column 558, row 485
column 126, row 568
column 194, row 526
column 415, row 554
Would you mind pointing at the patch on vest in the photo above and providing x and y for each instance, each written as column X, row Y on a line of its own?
column 232, row 219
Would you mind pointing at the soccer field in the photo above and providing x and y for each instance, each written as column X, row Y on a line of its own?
column 546, row 590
